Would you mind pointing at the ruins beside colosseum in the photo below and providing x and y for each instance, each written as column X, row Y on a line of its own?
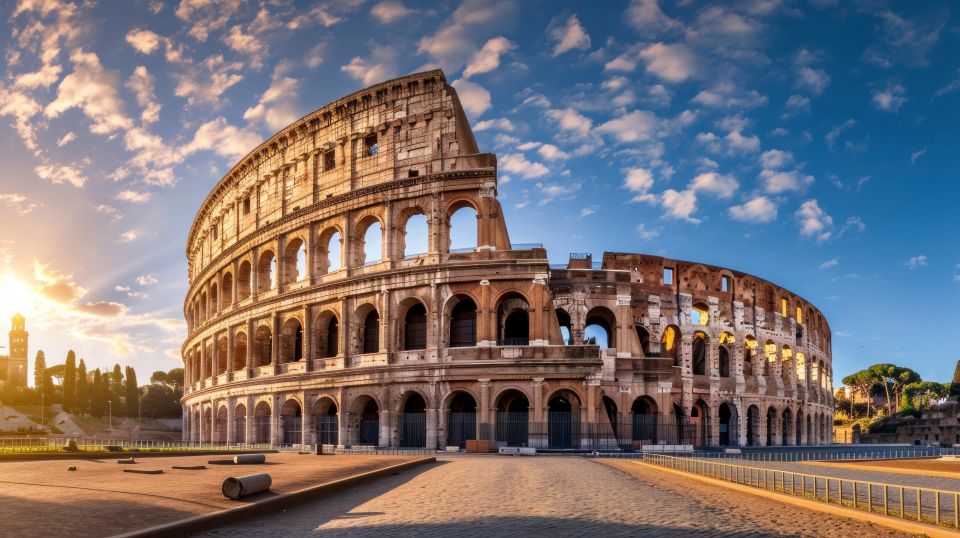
column 301, row 333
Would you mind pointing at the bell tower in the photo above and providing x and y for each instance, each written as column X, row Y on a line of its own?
column 17, row 364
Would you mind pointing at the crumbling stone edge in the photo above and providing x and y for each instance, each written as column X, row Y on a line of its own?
column 267, row 506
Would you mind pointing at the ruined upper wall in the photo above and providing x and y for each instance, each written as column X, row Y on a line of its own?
column 409, row 126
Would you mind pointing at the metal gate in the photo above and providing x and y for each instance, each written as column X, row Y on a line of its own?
column 645, row 429
column 369, row 433
column 512, row 428
column 291, row 430
column 413, row 430
column 328, row 430
column 460, row 427
column 563, row 429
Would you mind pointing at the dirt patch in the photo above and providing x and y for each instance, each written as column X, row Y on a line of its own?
column 947, row 468
column 99, row 499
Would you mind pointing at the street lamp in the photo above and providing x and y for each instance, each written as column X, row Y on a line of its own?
column 110, row 403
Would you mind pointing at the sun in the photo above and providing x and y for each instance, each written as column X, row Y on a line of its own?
column 15, row 296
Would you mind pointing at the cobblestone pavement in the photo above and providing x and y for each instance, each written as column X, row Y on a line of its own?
column 503, row 496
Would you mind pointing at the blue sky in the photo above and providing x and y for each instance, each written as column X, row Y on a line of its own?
column 813, row 143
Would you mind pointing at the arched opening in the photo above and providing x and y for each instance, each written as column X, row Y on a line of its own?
column 786, row 427
column 294, row 261
column 463, row 323
column 261, row 423
column 413, row 422
column 266, row 272
column 699, row 353
column 415, row 237
column 329, row 252
column 669, row 345
column 644, row 419
column 683, row 427
column 368, row 432
column 222, row 351
column 239, row 351
column 612, row 414
column 415, row 327
column 204, row 307
column 512, row 426
column 206, row 435
column 371, row 232
column 771, row 426
column 750, row 358
column 240, row 424
column 244, row 281
column 753, row 426
column 563, row 420
column 326, row 422
column 644, row 336
column 370, row 339
column 798, row 437
column 291, row 343
column 214, row 303
column 563, row 319
column 220, row 431
column 770, row 353
column 262, row 346
column 513, row 325
column 728, row 424
column 700, row 417
column 462, row 233
column 724, row 362
column 227, row 287
column 210, row 360
column 786, row 364
column 291, row 422
column 599, row 328
column 462, row 420
column 801, row 368
column 328, row 334
column 809, row 431
column 700, row 314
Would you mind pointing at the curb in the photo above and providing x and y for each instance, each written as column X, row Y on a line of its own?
column 274, row 504
column 59, row 456
column 876, row 519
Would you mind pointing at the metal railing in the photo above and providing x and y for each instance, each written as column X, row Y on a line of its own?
column 12, row 445
column 802, row 455
column 924, row 505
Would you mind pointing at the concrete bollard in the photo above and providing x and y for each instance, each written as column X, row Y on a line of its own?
column 241, row 486
column 249, row 459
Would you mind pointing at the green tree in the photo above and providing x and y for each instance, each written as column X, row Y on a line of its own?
column 132, row 392
column 40, row 370
column 892, row 378
column 70, row 381
column 81, row 397
column 116, row 390
column 98, row 402
column 917, row 395
column 161, row 400
column 862, row 382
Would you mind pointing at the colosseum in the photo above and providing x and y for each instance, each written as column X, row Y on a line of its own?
column 310, row 322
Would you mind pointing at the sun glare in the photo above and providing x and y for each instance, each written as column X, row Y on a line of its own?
column 15, row 296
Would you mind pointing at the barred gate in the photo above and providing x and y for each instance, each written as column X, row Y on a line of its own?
column 328, row 430
column 461, row 427
column 292, row 433
column 413, row 430
column 512, row 428
column 563, row 430
column 369, row 433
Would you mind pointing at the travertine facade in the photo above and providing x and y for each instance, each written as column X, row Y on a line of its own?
column 296, row 336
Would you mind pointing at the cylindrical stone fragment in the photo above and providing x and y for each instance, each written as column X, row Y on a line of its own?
column 247, row 459
column 241, row 486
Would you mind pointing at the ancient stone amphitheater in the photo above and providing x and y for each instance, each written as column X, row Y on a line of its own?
column 311, row 322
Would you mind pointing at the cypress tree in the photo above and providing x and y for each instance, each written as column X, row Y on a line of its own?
column 97, row 401
column 40, row 371
column 81, row 399
column 133, row 392
column 70, row 381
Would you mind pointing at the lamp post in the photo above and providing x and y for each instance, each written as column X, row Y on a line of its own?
column 110, row 403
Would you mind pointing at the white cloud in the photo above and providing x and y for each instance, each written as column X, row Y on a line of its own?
column 134, row 197
column 276, row 108
column 587, row 211
column 253, row 46
column 453, row 44
column 916, row 262
column 144, row 41
column 722, row 186
column 776, row 159
column 223, row 139
column 18, row 203
column 517, row 163
column 128, row 236
column 835, row 133
column 639, row 181
column 474, row 97
column 727, row 95
column 502, row 124
column 890, row 99
column 43, row 78
column 23, row 108
column 369, row 74
column 141, row 82
column 624, row 63
column 815, row 80
column 206, row 82
column 757, row 210
column 56, row 173
column 570, row 120
column 390, row 11
column 644, row 234
column 66, row 139
column 680, row 205
column 636, row 126
column 673, row 63
column 647, row 17
column 798, row 103
column 777, row 181
column 917, row 154
column 570, row 36
column 147, row 280
column 814, row 221
column 829, row 263
column 206, row 16
column 93, row 90
column 853, row 223
column 552, row 153
column 488, row 58
column 551, row 191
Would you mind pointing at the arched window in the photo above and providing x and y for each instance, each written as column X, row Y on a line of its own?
column 214, row 303
column 329, row 251
column 699, row 353
column 371, row 332
column 239, row 351
column 263, row 346
column 328, row 334
column 463, row 229
column 463, row 323
column 669, row 345
column 227, row 293
column 244, row 276
column 415, row 236
column 291, row 346
column 222, row 355
column 724, row 362
column 373, row 243
column 295, row 261
column 415, row 327
column 644, row 336
column 563, row 318
column 700, row 314
column 513, row 323
column 266, row 272
column 599, row 328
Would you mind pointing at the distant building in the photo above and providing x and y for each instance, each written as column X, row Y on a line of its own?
column 13, row 367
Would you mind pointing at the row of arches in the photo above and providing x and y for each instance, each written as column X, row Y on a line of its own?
column 271, row 270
